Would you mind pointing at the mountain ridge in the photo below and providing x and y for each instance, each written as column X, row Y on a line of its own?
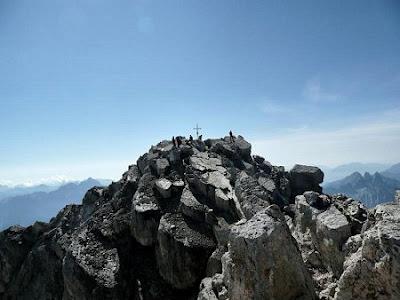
column 370, row 189
column 42, row 205
column 207, row 220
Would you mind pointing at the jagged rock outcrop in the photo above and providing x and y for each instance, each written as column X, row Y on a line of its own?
column 372, row 266
column 263, row 261
column 208, row 221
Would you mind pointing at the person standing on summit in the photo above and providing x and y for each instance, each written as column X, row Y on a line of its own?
column 231, row 137
column 174, row 141
column 178, row 141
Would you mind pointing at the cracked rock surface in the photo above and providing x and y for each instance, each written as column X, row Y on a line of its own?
column 208, row 221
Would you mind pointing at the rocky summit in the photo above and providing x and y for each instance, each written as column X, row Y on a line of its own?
column 207, row 221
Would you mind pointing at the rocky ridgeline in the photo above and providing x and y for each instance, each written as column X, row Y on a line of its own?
column 207, row 221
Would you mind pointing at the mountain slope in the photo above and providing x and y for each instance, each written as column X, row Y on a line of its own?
column 207, row 221
column 393, row 172
column 370, row 189
column 41, row 206
column 341, row 171
column 7, row 191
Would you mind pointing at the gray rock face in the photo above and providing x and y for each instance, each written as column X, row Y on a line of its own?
column 332, row 231
column 209, row 178
column 206, row 220
column 251, row 195
column 81, row 265
column 320, row 235
column 372, row 270
column 182, row 251
column 146, row 212
column 15, row 244
column 279, row 272
column 192, row 208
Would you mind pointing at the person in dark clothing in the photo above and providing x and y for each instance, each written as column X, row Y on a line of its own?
column 190, row 139
column 231, row 137
column 178, row 141
column 200, row 137
column 174, row 141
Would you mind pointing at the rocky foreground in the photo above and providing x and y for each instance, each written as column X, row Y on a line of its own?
column 207, row 221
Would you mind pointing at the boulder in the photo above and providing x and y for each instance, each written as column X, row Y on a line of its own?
column 243, row 147
column 316, row 200
column 332, row 231
column 203, row 162
column 305, row 178
column 213, row 288
column 268, row 184
column 163, row 186
column 145, row 161
column 356, row 212
column 206, row 290
column 208, row 178
column 258, row 159
column 178, row 185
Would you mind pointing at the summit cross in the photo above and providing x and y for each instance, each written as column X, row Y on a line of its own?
column 197, row 128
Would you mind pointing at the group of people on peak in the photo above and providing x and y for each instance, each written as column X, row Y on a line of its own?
column 177, row 141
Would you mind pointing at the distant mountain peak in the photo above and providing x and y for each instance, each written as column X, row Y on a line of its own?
column 370, row 189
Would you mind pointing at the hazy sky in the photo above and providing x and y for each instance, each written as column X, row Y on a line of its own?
column 86, row 86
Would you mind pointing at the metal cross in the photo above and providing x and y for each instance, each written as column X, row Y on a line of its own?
column 197, row 128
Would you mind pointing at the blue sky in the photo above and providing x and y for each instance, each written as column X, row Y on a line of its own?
column 86, row 86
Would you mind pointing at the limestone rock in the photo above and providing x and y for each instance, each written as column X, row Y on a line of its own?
column 373, row 271
column 263, row 261
column 252, row 197
column 207, row 220
column 183, row 250
column 332, row 231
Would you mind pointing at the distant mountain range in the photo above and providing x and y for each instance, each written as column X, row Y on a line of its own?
column 42, row 205
column 393, row 172
column 11, row 191
column 341, row 171
column 7, row 191
column 370, row 189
